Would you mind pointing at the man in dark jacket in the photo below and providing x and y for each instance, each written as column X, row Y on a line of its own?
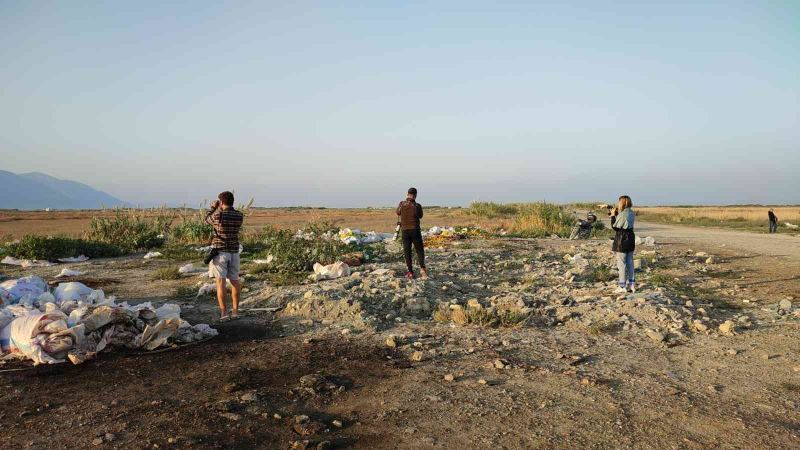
column 773, row 221
column 410, row 212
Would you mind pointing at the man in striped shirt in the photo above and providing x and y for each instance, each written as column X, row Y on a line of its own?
column 226, row 222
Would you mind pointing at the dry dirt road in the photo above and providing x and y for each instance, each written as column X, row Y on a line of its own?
column 777, row 245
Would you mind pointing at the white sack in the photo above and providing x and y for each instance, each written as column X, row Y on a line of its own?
column 331, row 271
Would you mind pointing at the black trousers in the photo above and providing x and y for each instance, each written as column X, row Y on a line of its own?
column 413, row 237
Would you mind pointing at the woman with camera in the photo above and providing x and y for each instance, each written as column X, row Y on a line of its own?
column 622, row 219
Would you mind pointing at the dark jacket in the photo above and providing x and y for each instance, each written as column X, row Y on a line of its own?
column 410, row 212
column 624, row 238
column 772, row 217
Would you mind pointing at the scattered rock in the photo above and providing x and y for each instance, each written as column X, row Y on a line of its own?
column 231, row 416
column 391, row 342
column 449, row 377
column 417, row 356
column 785, row 305
column 656, row 336
column 727, row 328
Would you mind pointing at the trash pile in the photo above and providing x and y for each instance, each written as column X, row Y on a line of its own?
column 75, row 322
column 349, row 236
column 438, row 236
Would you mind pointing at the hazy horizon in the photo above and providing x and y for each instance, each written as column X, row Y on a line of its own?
column 348, row 105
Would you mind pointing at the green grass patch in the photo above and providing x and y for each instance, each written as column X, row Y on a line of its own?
column 167, row 273
column 52, row 248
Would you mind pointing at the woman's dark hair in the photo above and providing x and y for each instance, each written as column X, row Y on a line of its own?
column 226, row 198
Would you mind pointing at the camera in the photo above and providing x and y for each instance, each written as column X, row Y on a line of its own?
column 211, row 255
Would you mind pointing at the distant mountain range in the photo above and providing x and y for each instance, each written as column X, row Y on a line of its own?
column 39, row 191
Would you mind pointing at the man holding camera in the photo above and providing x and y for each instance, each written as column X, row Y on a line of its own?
column 224, row 255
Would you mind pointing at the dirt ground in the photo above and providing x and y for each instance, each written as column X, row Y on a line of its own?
column 587, row 373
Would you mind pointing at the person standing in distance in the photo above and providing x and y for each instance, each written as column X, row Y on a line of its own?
column 410, row 213
column 622, row 220
column 225, row 265
column 773, row 221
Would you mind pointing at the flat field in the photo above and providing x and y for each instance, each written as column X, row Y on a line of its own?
column 73, row 223
column 751, row 218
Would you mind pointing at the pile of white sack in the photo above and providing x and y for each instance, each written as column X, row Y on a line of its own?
column 75, row 322
column 349, row 236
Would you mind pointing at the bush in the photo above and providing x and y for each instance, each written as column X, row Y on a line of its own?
column 43, row 247
column 52, row 248
column 542, row 219
column 94, row 249
column 133, row 229
column 192, row 228
column 491, row 210
column 298, row 254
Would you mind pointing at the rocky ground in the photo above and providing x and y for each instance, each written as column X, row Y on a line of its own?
column 514, row 343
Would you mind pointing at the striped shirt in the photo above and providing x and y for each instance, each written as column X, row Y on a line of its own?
column 226, row 223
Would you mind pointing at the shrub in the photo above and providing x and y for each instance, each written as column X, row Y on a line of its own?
column 43, row 247
column 94, row 249
column 491, row 210
column 298, row 254
column 192, row 228
column 542, row 219
column 132, row 229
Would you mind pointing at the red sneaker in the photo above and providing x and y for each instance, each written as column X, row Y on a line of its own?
column 410, row 275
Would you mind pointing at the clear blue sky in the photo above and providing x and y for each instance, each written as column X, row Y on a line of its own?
column 349, row 103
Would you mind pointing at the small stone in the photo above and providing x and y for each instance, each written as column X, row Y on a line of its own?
column 500, row 364
column 711, row 260
column 785, row 305
column 345, row 332
column 308, row 295
column 277, row 416
column 449, row 377
column 417, row 356
column 109, row 437
column 231, row 416
column 249, row 397
column 656, row 336
column 97, row 441
column 699, row 325
column 337, row 423
column 727, row 327
column 482, row 381
column 732, row 352
column 391, row 342
column 171, row 440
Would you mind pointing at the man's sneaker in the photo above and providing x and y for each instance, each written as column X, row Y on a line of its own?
column 621, row 290
column 410, row 275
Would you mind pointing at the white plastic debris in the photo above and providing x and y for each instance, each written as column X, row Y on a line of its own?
column 151, row 255
column 31, row 285
column 25, row 263
column 207, row 289
column 72, row 291
column 269, row 259
column 70, row 273
column 74, row 259
column 791, row 226
column 188, row 268
column 331, row 271
column 355, row 236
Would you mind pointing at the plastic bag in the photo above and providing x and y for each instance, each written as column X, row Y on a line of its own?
column 72, row 291
column 30, row 285
column 331, row 271
column 151, row 255
column 70, row 273
column 155, row 336
column 74, row 259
